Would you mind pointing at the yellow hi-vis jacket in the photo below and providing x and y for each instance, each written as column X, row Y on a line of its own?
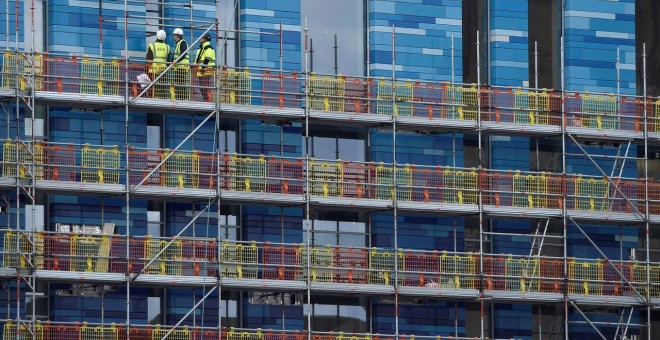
column 160, row 51
column 205, row 57
column 181, row 47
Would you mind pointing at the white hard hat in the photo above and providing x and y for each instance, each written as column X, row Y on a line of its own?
column 178, row 31
column 160, row 35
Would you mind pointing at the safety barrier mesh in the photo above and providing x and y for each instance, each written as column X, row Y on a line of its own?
column 281, row 262
column 281, row 90
column 381, row 263
column 461, row 186
column 22, row 160
column 421, row 269
column 326, row 93
column 239, row 261
column 585, row 277
column 591, row 194
column 22, row 71
column 235, row 86
column 389, row 102
column 463, row 102
column 233, row 334
column 100, row 77
column 530, row 190
column 247, row 174
column 321, row 261
column 325, row 178
column 89, row 253
column 16, row 331
column 169, row 261
column 385, row 181
column 98, row 333
column 458, row 271
column 177, row 334
column 181, row 170
column 531, row 108
column 100, row 165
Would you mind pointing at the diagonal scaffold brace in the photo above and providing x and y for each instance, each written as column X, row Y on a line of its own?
column 173, row 151
column 200, row 213
column 606, row 258
column 587, row 319
column 183, row 318
column 606, row 176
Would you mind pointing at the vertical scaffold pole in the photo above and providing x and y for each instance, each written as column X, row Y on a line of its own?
column 563, row 173
column 647, row 229
column 18, row 189
column 453, row 66
column 128, row 187
column 482, row 315
column 394, row 190
column 17, row 169
column 536, row 66
column 308, row 224
column 218, row 187
column 33, row 189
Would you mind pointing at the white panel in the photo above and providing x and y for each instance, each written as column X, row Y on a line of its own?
column 39, row 28
column 38, row 127
column 34, row 219
column 153, row 137
column 153, row 223
column 153, row 307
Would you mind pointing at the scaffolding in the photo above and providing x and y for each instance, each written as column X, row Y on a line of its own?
column 216, row 265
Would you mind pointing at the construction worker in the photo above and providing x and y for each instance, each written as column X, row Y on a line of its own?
column 181, row 68
column 206, row 62
column 158, row 54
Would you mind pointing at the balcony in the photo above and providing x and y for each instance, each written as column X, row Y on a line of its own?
column 271, row 180
column 262, row 94
column 85, row 331
column 197, row 262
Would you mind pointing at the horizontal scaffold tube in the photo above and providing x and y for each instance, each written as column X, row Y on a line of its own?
column 84, row 331
column 524, row 110
column 57, row 166
column 196, row 257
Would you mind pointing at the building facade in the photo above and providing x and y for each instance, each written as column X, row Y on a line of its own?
column 464, row 169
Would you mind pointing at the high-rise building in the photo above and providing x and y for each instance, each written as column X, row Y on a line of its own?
column 363, row 169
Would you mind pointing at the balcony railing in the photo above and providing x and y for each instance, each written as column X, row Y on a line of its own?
column 341, row 94
column 327, row 264
column 85, row 331
column 327, row 178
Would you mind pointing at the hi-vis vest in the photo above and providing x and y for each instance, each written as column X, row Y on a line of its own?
column 160, row 51
column 178, row 52
column 205, row 52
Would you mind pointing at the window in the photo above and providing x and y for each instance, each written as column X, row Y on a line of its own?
column 229, row 312
column 338, row 318
column 228, row 141
column 229, row 227
column 646, row 27
column 545, row 29
column 325, row 19
column 226, row 43
column 347, row 234
column 154, row 225
column 323, row 147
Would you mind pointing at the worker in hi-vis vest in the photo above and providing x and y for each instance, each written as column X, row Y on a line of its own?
column 158, row 54
column 181, row 69
column 206, row 66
